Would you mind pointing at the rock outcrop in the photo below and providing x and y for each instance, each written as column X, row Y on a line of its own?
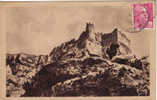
column 96, row 64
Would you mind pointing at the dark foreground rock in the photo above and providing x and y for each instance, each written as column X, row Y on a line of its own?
column 93, row 65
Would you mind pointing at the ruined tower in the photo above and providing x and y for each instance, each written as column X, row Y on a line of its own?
column 92, row 44
column 107, row 45
column 90, row 30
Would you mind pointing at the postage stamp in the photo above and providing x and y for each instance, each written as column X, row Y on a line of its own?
column 143, row 16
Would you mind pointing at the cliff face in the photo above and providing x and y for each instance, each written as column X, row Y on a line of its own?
column 93, row 65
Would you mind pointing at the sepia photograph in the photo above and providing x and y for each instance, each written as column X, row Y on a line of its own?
column 79, row 50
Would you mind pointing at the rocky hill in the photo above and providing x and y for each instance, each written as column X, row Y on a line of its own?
column 95, row 64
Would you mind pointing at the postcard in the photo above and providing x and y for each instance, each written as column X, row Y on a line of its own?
column 78, row 50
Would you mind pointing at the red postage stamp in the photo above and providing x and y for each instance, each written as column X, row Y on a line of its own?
column 143, row 16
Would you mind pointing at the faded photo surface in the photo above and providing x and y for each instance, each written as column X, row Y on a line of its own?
column 66, row 51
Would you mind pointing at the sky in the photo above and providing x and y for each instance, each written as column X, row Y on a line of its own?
column 38, row 29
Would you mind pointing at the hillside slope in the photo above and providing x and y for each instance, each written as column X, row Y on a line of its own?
column 96, row 64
